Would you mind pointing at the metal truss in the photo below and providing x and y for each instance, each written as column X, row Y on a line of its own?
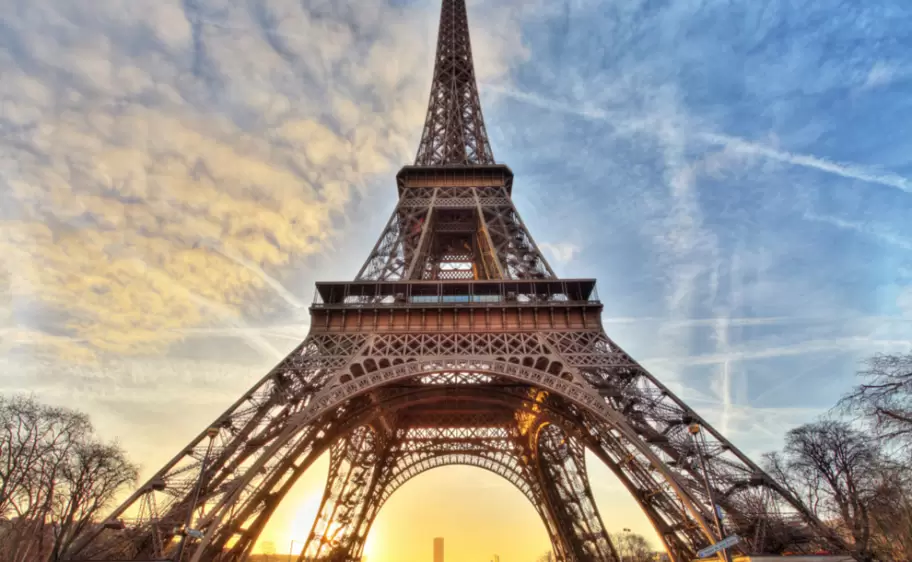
column 412, row 451
column 481, row 222
column 454, row 131
column 561, row 464
column 334, row 384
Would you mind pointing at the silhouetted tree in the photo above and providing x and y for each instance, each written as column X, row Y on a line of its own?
column 891, row 512
column 834, row 470
column 632, row 547
column 55, row 478
column 884, row 399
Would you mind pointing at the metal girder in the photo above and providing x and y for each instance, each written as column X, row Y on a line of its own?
column 500, row 449
column 454, row 131
column 562, row 468
column 312, row 399
column 501, row 246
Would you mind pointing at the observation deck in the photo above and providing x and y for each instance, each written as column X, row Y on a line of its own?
column 477, row 175
column 435, row 306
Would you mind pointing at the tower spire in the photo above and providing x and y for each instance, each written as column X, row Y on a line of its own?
column 454, row 131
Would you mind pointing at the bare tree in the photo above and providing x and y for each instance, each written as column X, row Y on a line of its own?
column 891, row 512
column 55, row 478
column 885, row 398
column 632, row 547
column 547, row 557
column 32, row 438
column 834, row 470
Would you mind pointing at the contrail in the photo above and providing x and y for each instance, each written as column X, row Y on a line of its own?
column 803, row 348
column 744, row 146
column 545, row 103
column 861, row 229
column 846, row 170
column 287, row 295
column 254, row 339
column 709, row 322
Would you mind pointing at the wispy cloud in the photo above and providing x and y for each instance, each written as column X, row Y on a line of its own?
column 687, row 323
column 561, row 252
column 625, row 122
column 846, row 170
column 861, row 228
column 803, row 348
column 881, row 74
column 132, row 137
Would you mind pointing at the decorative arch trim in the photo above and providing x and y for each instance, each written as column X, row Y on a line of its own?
column 340, row 393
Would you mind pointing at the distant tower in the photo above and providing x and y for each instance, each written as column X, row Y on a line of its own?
column 438, row 549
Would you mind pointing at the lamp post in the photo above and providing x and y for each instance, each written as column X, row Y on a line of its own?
column 699, row 440
column 291, row 547
column 620, row 550
column 186, row 531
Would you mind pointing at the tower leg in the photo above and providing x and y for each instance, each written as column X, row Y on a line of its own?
column 562, row 470
column 349, row 490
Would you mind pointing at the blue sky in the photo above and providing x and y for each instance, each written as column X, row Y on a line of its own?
column 174, row 176
column 730, row 162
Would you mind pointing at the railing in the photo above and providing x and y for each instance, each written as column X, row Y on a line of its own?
column 455, row 293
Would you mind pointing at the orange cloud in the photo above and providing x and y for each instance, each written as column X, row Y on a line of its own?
column 169, row 162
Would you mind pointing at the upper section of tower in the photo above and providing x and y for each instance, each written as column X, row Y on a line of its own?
column 454, row 131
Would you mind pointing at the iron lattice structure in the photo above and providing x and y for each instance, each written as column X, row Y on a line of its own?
column 455, row 344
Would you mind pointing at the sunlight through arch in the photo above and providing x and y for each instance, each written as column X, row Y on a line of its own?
column 291, row 523
column 477, row 512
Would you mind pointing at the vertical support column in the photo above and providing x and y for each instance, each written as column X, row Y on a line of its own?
column 423, row 240
column 488, row 253
column 353, row 462
column 561, row 466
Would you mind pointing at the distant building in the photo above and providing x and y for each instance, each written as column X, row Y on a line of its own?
column 438, row 549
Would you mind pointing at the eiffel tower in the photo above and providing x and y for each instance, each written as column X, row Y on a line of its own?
column 456, row 344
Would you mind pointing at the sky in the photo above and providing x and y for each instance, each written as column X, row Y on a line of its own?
column 175, row 176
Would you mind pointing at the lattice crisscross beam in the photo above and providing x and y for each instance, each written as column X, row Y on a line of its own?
column 454, row 131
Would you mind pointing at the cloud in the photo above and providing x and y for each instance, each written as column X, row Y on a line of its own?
column 707, row 263
column 688, row 323
column 561, row 252
column 165, row 164
column 802, row 348
column 658, row 124
column 904, row 302
column 880, row 75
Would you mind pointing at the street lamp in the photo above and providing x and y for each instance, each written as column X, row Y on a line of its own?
column 291, row 547
column 699, row 440
column 620, row 550
column 212, row 433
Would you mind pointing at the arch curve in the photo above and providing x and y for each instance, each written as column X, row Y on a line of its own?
column 584, row 400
